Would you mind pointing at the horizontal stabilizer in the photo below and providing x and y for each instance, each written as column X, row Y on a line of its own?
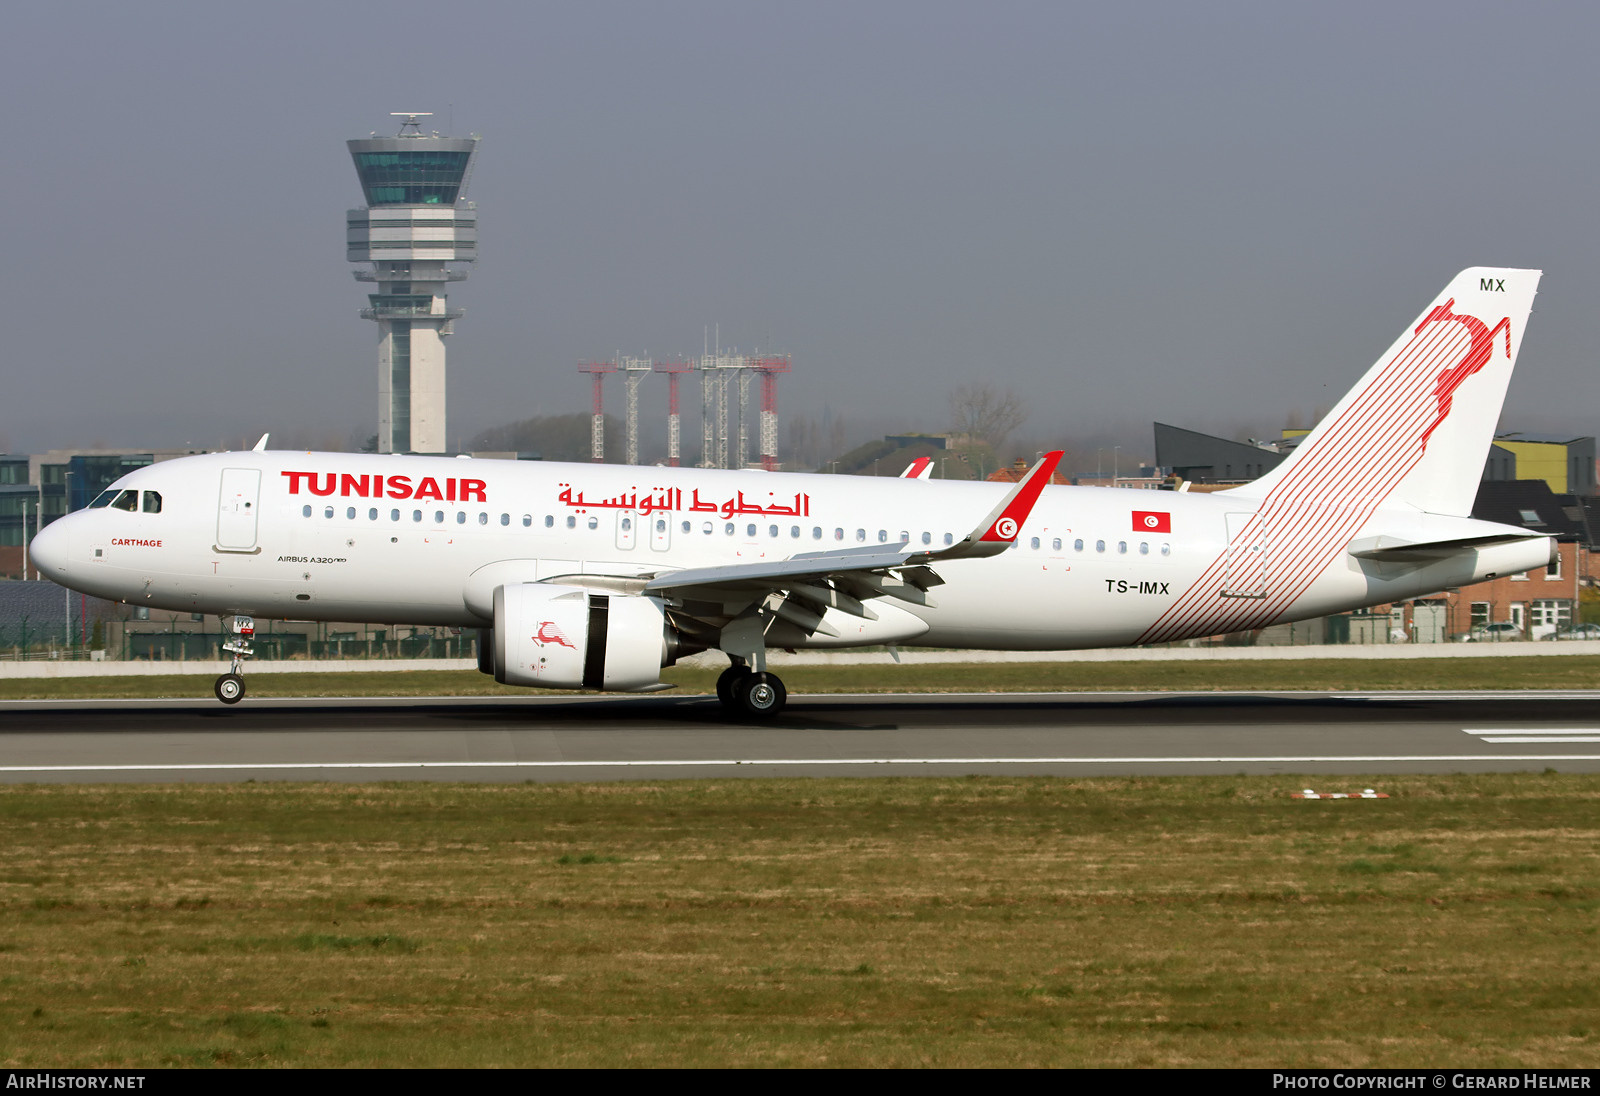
column 1385, row 549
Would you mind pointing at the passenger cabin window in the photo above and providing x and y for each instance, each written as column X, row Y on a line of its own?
column 305, row 511
column 152, row 502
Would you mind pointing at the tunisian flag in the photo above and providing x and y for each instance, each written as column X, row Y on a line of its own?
column 1152, row 521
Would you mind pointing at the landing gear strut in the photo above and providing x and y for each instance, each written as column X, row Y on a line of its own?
column 230, row 686
column 750, row 694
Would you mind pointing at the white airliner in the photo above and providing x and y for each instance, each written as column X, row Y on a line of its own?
column 597, row 576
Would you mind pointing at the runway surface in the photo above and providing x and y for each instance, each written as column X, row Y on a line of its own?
column 656, row 737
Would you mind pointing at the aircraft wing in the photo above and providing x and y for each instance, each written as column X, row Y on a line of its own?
column 775, row 574
column 813, row 582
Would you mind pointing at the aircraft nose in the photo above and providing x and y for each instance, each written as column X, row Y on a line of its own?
column 47, row 552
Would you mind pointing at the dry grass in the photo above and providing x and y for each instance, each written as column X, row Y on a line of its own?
column 975, row 922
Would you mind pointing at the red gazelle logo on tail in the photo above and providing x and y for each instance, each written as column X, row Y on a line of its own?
column 1476, row 358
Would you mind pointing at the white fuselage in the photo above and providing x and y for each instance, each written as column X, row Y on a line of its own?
column 317, row 536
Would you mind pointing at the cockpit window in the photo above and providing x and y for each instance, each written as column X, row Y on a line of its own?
column 103, row 499
column 126, row 500
column 152, row 502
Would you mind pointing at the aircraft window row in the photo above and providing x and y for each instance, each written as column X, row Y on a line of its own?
column 153, row 505
column 1100, row 546
column 128, row 500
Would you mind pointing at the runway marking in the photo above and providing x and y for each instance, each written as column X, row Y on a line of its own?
column 1535, row 734
column 778, row 762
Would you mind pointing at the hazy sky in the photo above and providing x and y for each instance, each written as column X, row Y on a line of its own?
column 1212, row 214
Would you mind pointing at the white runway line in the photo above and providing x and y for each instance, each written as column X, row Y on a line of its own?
column 1535, row 734
column 814, row 762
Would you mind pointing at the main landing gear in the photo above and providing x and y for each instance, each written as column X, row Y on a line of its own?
column 230, row 686
column 752, row 695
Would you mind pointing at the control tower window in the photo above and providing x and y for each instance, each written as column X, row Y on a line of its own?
column 412, row 177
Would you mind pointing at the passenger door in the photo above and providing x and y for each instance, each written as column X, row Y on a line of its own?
column 237, row 507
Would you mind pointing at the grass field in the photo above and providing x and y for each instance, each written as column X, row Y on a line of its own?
column 1548, row 672
column 954, row 922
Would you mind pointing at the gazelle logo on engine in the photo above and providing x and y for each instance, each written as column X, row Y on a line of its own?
column 549, row 633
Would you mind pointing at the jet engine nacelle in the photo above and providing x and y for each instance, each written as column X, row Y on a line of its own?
column 563, row 637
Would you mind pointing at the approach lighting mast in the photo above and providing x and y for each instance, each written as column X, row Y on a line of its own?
column 768, row 369
column 597, row 424
column 674, row 370
column 633, row 371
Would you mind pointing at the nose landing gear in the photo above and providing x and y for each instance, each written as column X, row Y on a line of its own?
column 230, row 686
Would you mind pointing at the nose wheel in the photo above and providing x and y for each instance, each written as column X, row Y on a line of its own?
column 229, row 688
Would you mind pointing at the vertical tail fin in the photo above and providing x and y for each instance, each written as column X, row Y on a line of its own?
column 1416, row 430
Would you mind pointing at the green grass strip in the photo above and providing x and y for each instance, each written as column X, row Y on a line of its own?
column 1450, row 674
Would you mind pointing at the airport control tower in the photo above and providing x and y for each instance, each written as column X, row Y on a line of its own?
column 415, row 225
